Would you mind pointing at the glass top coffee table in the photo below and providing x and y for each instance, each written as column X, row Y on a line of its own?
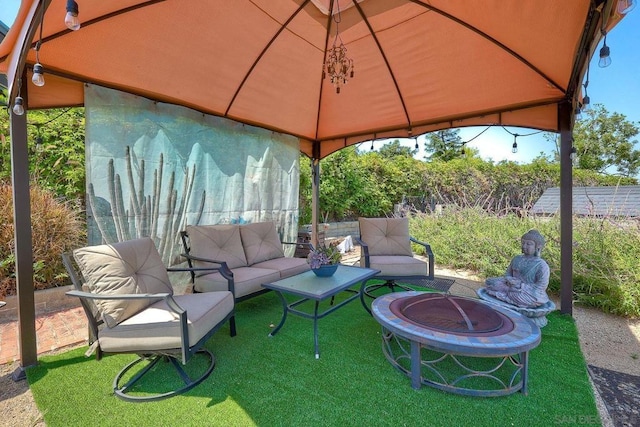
column 309, row 287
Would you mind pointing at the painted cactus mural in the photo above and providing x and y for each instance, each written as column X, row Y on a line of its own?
column 154, row 168
column 141, row 219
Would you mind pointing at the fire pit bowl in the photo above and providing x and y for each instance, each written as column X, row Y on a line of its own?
column 457, row 344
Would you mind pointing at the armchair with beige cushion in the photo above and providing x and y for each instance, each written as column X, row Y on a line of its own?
column 125, row 291
column 385, row 245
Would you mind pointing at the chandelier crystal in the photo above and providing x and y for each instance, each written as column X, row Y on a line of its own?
column 338, row 66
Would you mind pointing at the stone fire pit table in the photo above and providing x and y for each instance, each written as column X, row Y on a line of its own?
column 456, row 344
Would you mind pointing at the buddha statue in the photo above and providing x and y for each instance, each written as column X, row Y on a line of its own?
column 527, row 277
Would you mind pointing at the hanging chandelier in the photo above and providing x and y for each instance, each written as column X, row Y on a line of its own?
column 338, row 66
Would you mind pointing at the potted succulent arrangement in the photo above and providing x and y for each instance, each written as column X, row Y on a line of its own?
column 324, row 260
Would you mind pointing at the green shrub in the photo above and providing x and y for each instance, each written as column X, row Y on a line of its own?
column 606, row 273
column 56, row 227
column 55, row 140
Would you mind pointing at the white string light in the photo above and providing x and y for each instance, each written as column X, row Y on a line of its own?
column 71, row 18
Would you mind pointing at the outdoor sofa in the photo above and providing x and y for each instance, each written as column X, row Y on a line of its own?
column 247, row 255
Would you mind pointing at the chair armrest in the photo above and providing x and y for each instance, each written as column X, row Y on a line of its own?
column 308, row 244
column 173, row 305
column 429, row 253
column 364, row 251
column 300, row 244
column 427, row 247
column 224, row 268
column 90, row 295
column 177, row 269
column 226, row 274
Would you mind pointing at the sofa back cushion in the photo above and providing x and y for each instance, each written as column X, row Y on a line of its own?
column 218, row 242
column 386, row 236
column 261, row 242
column 129, row 267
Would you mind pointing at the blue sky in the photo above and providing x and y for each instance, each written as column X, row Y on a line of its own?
column 617, row 87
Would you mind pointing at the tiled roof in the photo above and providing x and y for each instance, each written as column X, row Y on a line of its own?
column 598, row 201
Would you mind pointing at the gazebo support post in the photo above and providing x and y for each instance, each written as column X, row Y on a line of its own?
column 315, row 193
column 23, row 240
column 565, row 123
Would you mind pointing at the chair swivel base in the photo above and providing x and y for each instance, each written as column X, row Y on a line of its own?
column 391, row 284
column 367, row 290
column 126, row 391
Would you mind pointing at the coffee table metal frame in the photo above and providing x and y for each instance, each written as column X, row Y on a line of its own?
column 312, row 288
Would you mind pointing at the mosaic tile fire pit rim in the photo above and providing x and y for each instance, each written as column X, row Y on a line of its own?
column 524, row 336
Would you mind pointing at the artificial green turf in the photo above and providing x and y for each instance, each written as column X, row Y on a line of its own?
column 272, row 381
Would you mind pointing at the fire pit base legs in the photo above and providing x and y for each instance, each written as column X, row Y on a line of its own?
column 466, row 375
column 456, row 344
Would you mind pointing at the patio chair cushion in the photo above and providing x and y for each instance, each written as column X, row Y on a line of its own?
column 386, row 236
column 261, row 242
column 132, row 267
column 218, row 242
column 246, row 280
column 393, row 265
column 158, row 328
column 286, row 266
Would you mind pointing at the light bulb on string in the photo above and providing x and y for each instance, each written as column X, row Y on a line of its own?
column 584, row 106
column 38, row 77
column 18, row 106
column 71, row 18
column 605, row 53
column 578, row 111
column 626, row 6
column 514, row 147
column 38, row 69
column 415, row 139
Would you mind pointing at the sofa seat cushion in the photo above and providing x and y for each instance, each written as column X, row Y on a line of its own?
column 386, row 236
column 131, row 267
column 219, row 242
column 157, row 327
column 261, row 242
column 391, row 265
column 286, row 266
column 246, row 280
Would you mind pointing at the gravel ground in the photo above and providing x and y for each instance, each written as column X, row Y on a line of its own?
column 17, row 407
column 607, row 341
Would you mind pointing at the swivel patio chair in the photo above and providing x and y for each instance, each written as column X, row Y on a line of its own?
column 385, row 245
column 126, row 294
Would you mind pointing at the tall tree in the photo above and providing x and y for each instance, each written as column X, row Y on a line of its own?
column 603, row 141
column 393, row 149
column 444, row 145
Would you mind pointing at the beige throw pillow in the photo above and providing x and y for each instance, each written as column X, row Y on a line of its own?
column 261, row 242
column 220, row 242
column 386, row 236
column 130, row 267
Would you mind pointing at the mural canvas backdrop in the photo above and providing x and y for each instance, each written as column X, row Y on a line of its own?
column 153, row 168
